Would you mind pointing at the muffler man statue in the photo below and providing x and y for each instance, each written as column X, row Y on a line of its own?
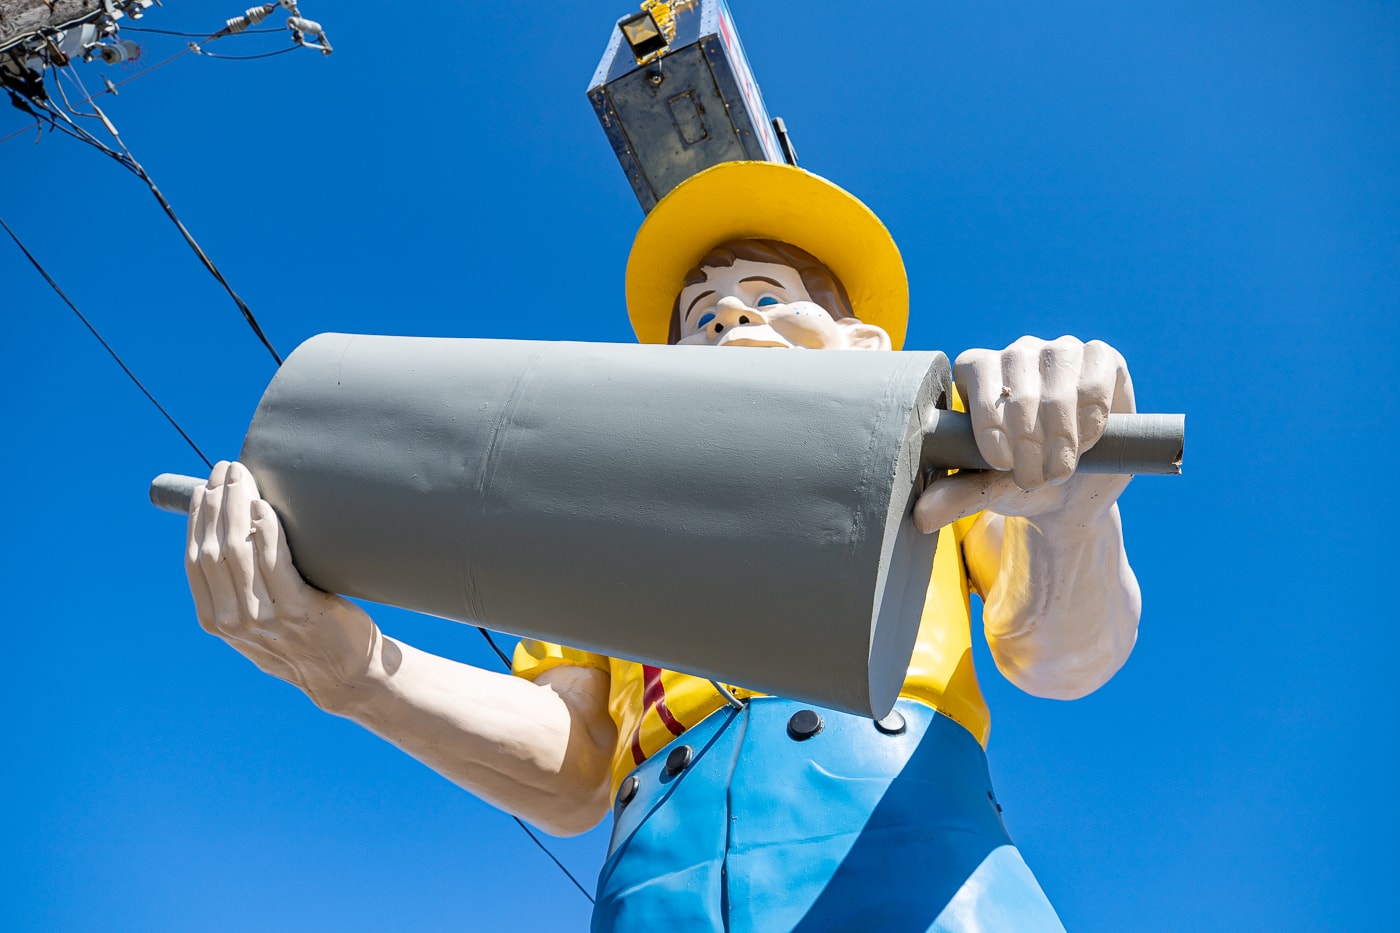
column 750, row 812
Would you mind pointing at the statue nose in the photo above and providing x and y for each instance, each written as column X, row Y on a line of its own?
column 731, row 312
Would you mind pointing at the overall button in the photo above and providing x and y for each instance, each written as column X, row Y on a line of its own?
column 628, row 790
column 678, row 759
column 804, row 724
column 893, row 724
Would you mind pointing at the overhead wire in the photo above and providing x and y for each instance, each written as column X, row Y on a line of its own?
column 189, row 49
column 494, row 647
column 72, row 129
column 245, row 58
column 126, row 159
column 58, row 74
column 77, row 78
column 196, row 35
column 518, row 821
column 552, row 857
column 105, row 345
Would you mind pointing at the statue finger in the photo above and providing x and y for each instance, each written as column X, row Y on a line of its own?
column 236, row 535
column 284, row 584
column 199, row 586
column 1097, row 383
column 1020, row 406
column 1057, row 423
column 978, row 376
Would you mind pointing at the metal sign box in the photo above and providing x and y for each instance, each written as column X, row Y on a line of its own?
column 695, row 106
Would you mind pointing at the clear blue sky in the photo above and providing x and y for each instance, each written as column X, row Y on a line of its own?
column 1213, row 188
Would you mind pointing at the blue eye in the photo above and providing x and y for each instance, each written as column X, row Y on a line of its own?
column 767, row 300
column 704, row 319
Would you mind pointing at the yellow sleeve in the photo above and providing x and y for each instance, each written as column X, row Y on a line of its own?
column 963, row 525
column 960, row 529
column 532, row 658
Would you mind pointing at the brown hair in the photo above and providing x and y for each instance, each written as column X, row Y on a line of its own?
column 821, row 283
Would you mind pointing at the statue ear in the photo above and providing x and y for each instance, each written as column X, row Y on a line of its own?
column 863, row 336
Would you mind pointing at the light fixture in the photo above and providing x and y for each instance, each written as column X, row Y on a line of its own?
column 650, row 32
column 644, row 35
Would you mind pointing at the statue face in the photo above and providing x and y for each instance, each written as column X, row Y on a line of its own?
column 759, row 304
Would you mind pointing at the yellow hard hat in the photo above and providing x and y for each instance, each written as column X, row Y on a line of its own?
column 770, row 201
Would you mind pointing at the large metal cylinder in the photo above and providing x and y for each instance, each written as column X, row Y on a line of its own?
column 741, row 515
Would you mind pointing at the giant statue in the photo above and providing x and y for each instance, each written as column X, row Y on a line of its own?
column 734, row 810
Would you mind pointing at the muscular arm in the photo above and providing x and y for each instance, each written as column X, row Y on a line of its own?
column 539, row 750
column 1061, row 603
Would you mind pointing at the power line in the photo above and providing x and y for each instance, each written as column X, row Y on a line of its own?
column 195, row 447
column 77, row 132
column 192, row 47
column 173, row 423
column 127, row 160
column 518, row 821
column 105, row 345
column 494, row 647
column 195, row 35
column 545, row 849
column 246, row 58
column 111, row 88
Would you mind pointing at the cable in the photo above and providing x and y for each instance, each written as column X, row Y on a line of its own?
column 552, row 858
column 728, row 695
column 189, row 238
column 58, row 76
column 108, row 347
column 140, row 74
column 129, row 161
column 494, row 647
column 77, row 78
column 518, row 821
column 77, row 132
column 195, row 35
column 247, row 58
column 111, row 87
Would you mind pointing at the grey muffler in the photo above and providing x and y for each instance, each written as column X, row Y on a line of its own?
column 743, row 516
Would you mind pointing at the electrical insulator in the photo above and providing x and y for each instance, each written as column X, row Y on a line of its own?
column 122, row 50
column 251, row 17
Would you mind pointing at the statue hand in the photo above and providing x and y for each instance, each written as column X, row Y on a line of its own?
column 248, row 592
column 1035, row 407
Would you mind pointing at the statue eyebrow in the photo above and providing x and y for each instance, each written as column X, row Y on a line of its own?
column 697, row 301
column 763, row 278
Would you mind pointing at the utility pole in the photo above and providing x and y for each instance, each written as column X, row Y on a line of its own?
column 22, row 18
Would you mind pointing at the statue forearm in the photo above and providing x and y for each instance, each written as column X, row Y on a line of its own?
column 541, row 751
column 1061, row 601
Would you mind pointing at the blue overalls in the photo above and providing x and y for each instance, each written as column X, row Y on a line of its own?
column 778, row 817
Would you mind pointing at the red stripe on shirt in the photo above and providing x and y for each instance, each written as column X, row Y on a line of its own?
column 653, row 696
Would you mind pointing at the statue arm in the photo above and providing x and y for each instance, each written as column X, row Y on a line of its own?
column 1061, row 603
column 541, row 750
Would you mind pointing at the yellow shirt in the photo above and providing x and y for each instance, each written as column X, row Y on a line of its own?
column 651, row 706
